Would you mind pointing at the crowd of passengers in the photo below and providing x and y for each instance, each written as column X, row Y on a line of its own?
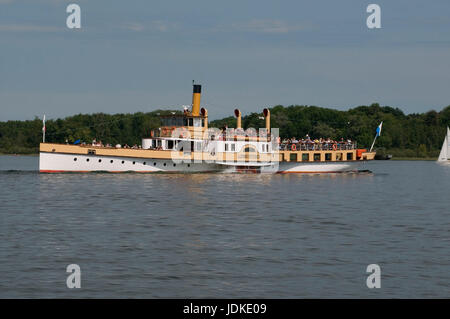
column 307, row 144
column 100, row 144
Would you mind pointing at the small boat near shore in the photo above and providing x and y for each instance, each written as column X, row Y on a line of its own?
column 185, row 143
column 383, row 157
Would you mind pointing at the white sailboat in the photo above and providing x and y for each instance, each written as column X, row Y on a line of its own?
column 444, row 156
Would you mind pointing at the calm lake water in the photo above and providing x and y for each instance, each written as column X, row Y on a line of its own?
column 227, row 236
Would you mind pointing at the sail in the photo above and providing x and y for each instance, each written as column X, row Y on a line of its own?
column 444, row 155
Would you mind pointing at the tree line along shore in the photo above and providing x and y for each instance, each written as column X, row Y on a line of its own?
column 417, row 135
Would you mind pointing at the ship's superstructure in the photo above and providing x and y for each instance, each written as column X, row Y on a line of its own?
column 185, row 143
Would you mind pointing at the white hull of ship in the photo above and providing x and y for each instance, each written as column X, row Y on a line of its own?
column 60, row 163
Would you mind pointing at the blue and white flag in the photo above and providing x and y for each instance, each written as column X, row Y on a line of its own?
column 379, row 129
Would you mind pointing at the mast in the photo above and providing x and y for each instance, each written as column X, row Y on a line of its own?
column 43, row 129
column 376, row 135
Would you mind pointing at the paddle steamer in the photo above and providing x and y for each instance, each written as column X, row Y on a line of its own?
column 184, row 143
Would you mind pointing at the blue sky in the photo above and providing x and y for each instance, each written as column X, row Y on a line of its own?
column 142, row 55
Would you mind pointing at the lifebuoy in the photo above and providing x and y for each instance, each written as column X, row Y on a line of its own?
column 293, row 147
column 334, row 147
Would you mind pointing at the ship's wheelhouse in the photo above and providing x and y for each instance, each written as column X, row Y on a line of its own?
column 184, row 121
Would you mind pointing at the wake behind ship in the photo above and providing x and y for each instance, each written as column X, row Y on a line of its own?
column 185, row 143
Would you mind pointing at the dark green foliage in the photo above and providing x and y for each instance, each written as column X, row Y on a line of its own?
column 413, row 135
column 23, row 137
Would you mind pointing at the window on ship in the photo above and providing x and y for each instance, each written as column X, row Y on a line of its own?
column 197, row 122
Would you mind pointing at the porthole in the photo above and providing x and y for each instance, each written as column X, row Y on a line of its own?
column 87, row 159
column 145, row 163
column 189, row 165
column 165, row 164
column 154, row 164
column 134, row 163
column 174, row 165
column 99, row 160
column 111, row 161
column 123, row 162
column 75, row 159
